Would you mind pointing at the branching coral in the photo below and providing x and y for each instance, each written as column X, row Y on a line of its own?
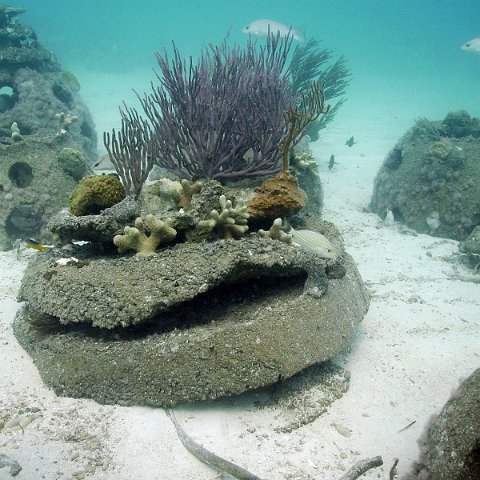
column 136, row 238
column 308, row 65
column 230, row 115
column 131, row 151
column 65, row 120
column 229, row 222
column 183, row 196
column 205, row 116
column 304, row 163
column 311, row 105
column 275, row 232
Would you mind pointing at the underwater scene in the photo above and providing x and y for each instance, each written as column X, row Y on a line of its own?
column 240, row 240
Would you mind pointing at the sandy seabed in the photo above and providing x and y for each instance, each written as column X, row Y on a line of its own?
column 418, row 341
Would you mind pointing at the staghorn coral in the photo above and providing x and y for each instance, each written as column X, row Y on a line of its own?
column 276, row 233
column 229, row 222
column 136, row 238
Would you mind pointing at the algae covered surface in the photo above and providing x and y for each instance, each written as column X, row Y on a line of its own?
column 431, row 179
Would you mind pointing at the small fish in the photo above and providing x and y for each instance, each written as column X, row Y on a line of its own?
column 350, row 142
column 389, row 217
column 332, row 162
column 472, row 45
column 262, row 27
column 31, row 243
column 313, row 242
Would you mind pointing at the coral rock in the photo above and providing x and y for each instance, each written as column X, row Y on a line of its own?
column 94, row 193
column 277, row 197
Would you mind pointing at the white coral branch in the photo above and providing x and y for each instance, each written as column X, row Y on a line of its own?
column 276, row 232
column 136, row 238
column 230, row 221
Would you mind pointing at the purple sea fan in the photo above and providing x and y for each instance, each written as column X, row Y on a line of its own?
column 222, row 117
column 131, row 150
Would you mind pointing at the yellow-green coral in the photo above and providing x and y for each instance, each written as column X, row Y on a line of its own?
column 136, row 238
column 230, row 221
column 94, row 193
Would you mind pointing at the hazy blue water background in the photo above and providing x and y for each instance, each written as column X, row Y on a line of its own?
column 402, row 53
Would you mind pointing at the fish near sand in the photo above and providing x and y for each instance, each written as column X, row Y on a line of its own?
column 332, row 162
column 350, row 142
column 31, row 243
column 313, row 242
column 472, row 45
column 261, row 28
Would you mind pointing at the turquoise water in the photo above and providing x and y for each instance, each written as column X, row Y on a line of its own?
column 409, row 48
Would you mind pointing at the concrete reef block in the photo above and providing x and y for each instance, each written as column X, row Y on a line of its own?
column 452, row 443
column 33, row 186
column 430, row 181
column 193, row 322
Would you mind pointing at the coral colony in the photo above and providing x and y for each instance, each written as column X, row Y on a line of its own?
column 231, row 115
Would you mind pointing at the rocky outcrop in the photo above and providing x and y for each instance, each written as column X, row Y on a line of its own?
column 35, row 182
column 47, row 135
column 430, row 180
column 193, row 322
column 452, row 443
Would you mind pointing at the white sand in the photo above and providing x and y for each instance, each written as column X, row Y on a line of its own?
column 418, row 341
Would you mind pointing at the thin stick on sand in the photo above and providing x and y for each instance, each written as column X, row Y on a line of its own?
column 219, row 463
column 361, row 467
column 393, row 470
column 208, row 457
